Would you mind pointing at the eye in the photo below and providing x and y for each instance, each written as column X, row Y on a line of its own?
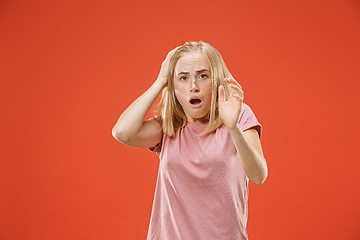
column 183, row 78
column 203, row 76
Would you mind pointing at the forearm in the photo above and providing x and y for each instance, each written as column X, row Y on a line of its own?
column 132, row 119
column 252, row 161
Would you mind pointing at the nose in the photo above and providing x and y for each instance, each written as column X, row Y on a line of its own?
column 194, row 87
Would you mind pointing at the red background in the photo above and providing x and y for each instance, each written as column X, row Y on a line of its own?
column 68, row 69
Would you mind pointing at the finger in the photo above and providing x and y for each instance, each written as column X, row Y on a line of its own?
column 221, row 94
column 172, row 52
column 233, row 81
column 237, row 96
column 175, row 49
column 236, row 88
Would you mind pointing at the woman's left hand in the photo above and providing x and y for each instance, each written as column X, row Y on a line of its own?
column 230, row 110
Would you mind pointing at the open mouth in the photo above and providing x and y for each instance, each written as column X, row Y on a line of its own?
column 195, row 102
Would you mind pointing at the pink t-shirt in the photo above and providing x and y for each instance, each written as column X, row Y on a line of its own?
column 201, row 190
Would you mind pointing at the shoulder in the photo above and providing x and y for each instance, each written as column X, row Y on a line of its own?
column 245, row 108
column 247, row 119
column 246, row 112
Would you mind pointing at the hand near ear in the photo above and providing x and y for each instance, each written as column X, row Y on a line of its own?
column 230, row 110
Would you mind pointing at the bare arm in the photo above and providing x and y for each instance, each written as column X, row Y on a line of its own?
column 250, row 152
column 247, row 143
column 131, row 127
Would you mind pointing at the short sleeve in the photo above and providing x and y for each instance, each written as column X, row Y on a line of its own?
column 248, row 120
column 157, row 148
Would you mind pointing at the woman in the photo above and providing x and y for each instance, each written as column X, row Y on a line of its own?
column 208, row 142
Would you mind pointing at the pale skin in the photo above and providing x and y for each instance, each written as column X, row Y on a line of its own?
column 247, row 143
column 192, row 77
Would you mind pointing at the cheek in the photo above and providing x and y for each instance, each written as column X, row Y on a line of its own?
column 179, row 96
column 208, row 91
column 179, row 91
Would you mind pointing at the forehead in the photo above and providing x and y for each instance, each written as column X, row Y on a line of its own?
column 191, row 62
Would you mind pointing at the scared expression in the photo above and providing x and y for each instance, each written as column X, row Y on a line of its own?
column 193, row 85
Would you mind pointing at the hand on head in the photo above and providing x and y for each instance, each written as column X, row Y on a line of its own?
column 164, row 71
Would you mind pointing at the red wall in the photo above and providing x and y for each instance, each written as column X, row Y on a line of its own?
column 69, row 68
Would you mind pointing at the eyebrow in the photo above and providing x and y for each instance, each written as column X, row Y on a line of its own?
column 198, row 71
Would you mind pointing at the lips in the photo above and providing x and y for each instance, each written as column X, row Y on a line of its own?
column 195, row 101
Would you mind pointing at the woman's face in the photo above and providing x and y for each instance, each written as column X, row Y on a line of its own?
column 192, row 83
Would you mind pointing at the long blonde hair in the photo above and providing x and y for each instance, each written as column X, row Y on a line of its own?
column 172, row 114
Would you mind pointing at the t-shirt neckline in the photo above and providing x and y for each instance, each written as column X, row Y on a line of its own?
column 198, row 123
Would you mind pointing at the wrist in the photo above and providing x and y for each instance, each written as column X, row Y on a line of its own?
column 233, row 128
column 158, row 86
column 161, row 82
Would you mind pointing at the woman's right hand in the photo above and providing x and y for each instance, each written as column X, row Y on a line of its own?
column 164, row 71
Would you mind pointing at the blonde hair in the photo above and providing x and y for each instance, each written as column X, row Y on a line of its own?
column 172, row 114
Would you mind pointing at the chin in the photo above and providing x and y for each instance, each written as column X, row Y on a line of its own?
column 199, row 116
